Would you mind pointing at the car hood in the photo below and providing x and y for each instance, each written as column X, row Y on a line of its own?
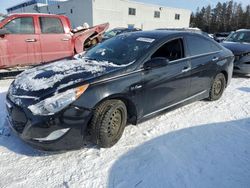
column 236, row 47
column 42, row 81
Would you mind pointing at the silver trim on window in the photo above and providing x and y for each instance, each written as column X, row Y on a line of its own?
column 141, row 69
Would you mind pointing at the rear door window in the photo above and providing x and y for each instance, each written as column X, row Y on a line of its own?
column 51, row 25
column 23, row 25
column 199, row 45
column 172, row 50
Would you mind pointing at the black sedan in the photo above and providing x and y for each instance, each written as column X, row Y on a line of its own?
column 124, row 80
column 239, row 43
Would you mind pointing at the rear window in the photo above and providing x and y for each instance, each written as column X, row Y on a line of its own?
column 51, row 25
column 199, row 45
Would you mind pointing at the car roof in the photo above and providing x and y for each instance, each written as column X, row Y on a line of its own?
column 243, row 30
column 189, row 30
column 181, row 29
column 161, row 34
column 31, row 14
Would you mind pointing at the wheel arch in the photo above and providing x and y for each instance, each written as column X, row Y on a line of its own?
column 226, row 75
column 131, row 107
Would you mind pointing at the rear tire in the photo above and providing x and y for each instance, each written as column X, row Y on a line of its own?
column 108, row 123
column 218, row 87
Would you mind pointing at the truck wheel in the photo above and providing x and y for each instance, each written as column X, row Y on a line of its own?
column 108, row 123
column 218, row 87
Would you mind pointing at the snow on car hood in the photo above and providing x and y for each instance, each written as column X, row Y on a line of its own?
column 51, row 77
column 45, row 77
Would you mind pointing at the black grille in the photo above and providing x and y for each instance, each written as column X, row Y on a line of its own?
column 17, row 117
column 237, row 58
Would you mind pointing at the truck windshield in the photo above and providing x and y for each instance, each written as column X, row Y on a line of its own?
column 241, row 36
column 120, row 50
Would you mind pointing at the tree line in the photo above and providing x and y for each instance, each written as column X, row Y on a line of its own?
column 224, row 17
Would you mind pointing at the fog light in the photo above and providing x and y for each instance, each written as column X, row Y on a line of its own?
column 54, row 135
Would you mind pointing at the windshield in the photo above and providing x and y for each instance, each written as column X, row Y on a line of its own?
column 120, row 50
column 242, row 36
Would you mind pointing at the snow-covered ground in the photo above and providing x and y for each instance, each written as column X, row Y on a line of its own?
column 204, row 144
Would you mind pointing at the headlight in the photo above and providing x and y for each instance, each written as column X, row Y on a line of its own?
column 57, row 102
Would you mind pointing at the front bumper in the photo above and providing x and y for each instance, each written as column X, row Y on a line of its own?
column 37, row 130
column 242, row 64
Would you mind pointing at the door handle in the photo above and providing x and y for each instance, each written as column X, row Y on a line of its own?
column 65, row 39
column 30, row 40
column 215, row 59
column 186, row 69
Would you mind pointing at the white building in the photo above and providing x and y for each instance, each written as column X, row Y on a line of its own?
column 119, row 13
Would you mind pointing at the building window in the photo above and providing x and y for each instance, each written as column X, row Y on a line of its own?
column 177, row 16
column 58, row 6
column 157, row 14
column 71, row 11
column 132, row 11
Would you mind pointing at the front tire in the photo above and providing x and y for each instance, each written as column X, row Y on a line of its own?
column 218, row 87
column 108, row 123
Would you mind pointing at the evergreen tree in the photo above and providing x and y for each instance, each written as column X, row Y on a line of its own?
column 224, row 17
column 247, row 17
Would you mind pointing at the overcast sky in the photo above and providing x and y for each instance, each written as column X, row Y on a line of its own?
column 189, row 4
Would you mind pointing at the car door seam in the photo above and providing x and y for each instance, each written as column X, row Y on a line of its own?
column 172, row 105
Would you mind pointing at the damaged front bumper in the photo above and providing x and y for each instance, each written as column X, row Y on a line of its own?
column 242, row 64
column 63, row 131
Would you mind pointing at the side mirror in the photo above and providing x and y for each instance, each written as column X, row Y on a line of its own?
column 4, row 32
column 156, row 62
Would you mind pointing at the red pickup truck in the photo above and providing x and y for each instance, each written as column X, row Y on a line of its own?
column 29, row 39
